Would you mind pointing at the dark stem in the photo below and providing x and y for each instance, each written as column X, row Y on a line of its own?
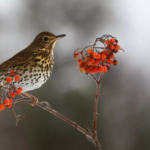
column 94, row 78
column 96, row 107
column 17, row 119
column 54, row 112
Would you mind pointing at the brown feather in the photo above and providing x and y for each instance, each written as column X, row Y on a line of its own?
column 21, row 57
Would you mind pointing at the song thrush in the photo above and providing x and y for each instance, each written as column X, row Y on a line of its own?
column 34, row 64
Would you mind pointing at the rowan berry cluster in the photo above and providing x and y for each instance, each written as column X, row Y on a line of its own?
column 98, row 59
column 8, row 90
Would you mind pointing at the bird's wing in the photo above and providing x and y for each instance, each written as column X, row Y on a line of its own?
column 20, row 58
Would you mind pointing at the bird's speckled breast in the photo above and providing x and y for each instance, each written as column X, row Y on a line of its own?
column 35, row 73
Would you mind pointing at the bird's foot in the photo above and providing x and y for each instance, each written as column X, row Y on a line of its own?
column 35, row 100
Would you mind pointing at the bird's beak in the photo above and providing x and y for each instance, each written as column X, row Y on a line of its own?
column 60, row 36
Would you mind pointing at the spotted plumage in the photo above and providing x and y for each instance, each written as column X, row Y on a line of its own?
column 34, row 64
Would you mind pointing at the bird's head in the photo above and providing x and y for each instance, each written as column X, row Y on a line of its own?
column 47, row 40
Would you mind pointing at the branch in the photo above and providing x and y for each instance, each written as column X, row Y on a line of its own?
column 96, row 105
column 46, row 106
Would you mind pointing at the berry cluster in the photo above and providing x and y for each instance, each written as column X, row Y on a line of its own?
column 93, row 60
column 8, row 90
column 7, row 102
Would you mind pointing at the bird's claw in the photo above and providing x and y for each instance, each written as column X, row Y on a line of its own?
column 34, row 99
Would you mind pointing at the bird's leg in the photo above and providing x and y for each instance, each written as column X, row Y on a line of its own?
column 35, row 100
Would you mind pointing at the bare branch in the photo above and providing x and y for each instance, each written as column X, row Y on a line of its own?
column 18, row 116
column 96, row 105
column 46, row 106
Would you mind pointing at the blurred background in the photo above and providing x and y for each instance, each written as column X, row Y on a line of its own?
column 124, row 102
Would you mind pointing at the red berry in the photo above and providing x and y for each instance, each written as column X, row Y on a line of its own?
column 105, row 68
column 90, row 51
column 17, row 78
column 6, row 102
column 107, row 42
column 103, row 56
column 101, row 69
column 9, row 106
column 76, row 55
column 95, row 70
column 94, row 55
column 108, row 67
column 96, row 62
column 112, row 41
column 8, row 79
column 115, row 62
column 115, row 50
column 109, row 61
column 108, row 52
column 12, row 72
column 20, row 88
column 112, row 56
column 89, row 70
column 111, row 47
column 12, row 94
column 2, row 107
column 18, row 92
column 91, row 60
column 82, row 69
column 98, row 56
column 10, row 101
column 79, row 60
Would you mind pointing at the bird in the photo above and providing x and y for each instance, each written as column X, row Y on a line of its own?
column 34, row 63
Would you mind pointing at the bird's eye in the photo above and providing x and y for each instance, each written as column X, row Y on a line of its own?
column 45, row 38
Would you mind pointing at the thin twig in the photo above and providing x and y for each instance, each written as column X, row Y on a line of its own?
column 96, row 105
column 54, row 112
column 94, row 78
column 18, row 116
column 17, row 119
column 95, row 110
